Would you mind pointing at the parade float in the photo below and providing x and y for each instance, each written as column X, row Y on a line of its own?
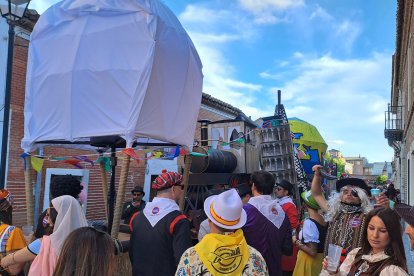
column 109, row 75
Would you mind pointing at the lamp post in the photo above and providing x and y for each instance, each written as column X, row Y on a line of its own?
column 12, row 11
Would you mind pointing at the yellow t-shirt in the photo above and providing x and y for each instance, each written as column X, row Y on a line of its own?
column 16, row 239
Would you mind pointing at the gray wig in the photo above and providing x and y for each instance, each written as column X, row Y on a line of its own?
column 335, row 200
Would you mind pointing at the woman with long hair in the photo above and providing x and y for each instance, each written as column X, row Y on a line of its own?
column 311, row 239
column 86, row 252
column 382, row 250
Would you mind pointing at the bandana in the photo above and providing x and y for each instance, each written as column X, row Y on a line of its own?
column 269, row 208
column 224, row 254
column 158, row 208
column 350, row 208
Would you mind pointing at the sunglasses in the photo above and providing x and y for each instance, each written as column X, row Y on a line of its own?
column 279, row 188
column 137, row 194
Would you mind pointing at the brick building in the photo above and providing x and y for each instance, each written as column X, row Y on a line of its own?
column 211, row 109
column 399, row 125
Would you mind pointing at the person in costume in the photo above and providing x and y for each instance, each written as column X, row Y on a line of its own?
column 224, row 251
column 311, row 239
column 381, row 252
column 11, row 237
column 267, row 228
column 60, row 185
column 137, row 204
column 283, row 192
column 160, row 233
column 70, row 217
column 345, row 211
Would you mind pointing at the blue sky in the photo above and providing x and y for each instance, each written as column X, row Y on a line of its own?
column 330, row 58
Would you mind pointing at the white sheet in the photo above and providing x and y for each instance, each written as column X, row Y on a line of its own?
column 111, row 67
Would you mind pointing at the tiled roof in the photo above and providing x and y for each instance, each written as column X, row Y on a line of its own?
column 209, row 100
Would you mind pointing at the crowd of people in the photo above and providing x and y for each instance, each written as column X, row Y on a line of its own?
column 253, row 229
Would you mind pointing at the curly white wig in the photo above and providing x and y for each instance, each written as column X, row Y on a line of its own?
column 335, row 200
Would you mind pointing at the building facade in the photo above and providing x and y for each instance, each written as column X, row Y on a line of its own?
column 399, row 125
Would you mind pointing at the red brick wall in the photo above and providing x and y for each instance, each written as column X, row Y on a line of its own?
column 15, row 177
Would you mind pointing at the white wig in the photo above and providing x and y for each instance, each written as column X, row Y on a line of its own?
column 335, row 200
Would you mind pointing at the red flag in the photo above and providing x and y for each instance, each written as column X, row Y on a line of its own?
column 132, row 153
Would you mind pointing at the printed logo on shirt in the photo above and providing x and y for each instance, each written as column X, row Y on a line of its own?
column 155, row 210
column 355, row 222
column 275, row 211
column 226, row 259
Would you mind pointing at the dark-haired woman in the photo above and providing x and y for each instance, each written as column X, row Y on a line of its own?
column 382, row 251
column 311, row 239
column 86, row 252
column 60, row 185
column 29, row 253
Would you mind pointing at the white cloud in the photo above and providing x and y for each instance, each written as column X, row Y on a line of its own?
column 320, row 13
column 344, row 99
column 348, row 32
column 269, row 11
column 211, row 31
column 257, row 6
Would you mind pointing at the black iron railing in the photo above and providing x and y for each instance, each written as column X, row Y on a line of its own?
column 394, row 125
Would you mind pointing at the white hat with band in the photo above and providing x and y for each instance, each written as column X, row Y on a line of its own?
column 226, row 210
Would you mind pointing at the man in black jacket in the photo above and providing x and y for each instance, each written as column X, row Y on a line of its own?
column 137, row 204
column 160, row 233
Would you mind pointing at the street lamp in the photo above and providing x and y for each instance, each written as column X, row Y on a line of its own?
column 12, row 11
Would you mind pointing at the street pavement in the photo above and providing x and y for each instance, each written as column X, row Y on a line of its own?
column 410, row 261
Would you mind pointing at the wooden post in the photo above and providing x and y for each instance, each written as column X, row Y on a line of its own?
column 104, row 187
column 120, row 195
column 29, row 192
column 186, row 176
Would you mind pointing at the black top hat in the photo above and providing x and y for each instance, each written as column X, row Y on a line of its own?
column 138, row 189
column 286, row 185
column 243, row 189
column 406, row 212
column 358, row 182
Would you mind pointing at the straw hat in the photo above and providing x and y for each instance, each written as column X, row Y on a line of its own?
column 226, row 210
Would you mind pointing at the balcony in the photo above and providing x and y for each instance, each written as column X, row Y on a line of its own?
column 394, row 128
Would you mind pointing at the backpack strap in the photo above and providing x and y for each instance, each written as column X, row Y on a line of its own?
column 175, row 221
column 132, row 219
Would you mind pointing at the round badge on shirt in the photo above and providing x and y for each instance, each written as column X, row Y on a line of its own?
column 155, row 210
column 355, row 222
